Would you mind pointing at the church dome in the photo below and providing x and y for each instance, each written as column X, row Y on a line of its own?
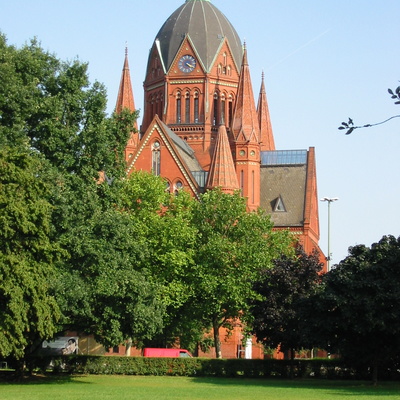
column 205, row 25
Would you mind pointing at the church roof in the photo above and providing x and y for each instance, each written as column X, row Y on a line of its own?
column 284, row 181
column 205, row 25
column 266, row 134
column 125, row 92
column 245, row 125
column 222, row 172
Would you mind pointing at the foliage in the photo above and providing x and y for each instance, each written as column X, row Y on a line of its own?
column 357, row 311
column 27, row 253
column 204, row 367
column 105, row 287
column 350, row 127
column 283, row 288
column 232, row 246
column 49, row 107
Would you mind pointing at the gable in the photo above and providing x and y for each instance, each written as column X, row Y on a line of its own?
column 172, row 158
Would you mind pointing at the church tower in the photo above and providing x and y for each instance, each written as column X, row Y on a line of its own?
column 192, row 75
column 201, row 128
column 246, row 136
column 125, row 100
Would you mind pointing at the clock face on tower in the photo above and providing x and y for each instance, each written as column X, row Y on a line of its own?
column 187, row 63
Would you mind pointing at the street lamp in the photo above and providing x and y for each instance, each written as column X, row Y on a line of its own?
column 329, row 200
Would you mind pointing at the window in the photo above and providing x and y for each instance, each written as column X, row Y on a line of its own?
column 230, row 110
column 178, row 108
column 187, row 107
column 196, row 107
column 279, row 206
column 215, row 110
column 156, row 158
column 177, row 187
column 223, row 111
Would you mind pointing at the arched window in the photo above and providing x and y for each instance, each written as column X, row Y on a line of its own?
column 187, row 107
column 252, row 187
column 241, row 181
column 196, row 107
column 177, row 187
column 215, row 110
column 223, row 104
column 156, row 158
column 230, row 110
column 178, row 108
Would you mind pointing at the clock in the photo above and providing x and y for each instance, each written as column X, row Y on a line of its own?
column 187, row 63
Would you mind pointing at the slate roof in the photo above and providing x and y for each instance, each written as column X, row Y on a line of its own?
column 287, row 181
column 205, row 25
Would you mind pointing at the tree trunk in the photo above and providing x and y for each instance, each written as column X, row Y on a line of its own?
column 375, row 371
column 128, row 346
column 291, row 363
column 217, row 340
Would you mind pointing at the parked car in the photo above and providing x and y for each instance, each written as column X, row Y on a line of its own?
column 154, row 352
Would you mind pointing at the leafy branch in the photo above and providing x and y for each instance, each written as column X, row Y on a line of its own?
column 350, row 127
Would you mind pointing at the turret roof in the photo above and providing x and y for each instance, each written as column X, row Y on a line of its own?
column 205, row 25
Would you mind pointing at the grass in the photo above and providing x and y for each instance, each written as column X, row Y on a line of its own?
column 182, row 388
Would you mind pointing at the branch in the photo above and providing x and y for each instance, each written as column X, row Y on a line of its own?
column 349, row 126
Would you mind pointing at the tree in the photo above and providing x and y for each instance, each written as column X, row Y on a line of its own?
column 283, row 289
column 350, row 127
column 49, row 107
column 27, row 254
column 107, row 286
column 357, row 311
column 232, row 246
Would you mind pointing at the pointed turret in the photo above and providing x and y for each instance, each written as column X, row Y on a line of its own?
column 245, row 125
column 246, row 138
column 266, row 134
column 125, row 100
column 222, row 172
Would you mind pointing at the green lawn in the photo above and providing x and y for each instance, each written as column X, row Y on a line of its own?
column 166, row 388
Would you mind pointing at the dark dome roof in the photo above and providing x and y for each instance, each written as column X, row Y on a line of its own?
column 205, row 25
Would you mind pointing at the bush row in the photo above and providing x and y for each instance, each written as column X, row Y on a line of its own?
column 316, row 368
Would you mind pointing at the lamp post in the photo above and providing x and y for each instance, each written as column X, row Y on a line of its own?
column 329, row 200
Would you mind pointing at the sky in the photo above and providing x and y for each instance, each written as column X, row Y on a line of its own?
column 324, row 61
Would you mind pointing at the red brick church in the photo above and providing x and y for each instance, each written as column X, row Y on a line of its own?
column 202, row 127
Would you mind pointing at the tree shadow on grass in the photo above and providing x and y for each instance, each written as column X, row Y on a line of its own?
column 9, row 377
column 334, row 387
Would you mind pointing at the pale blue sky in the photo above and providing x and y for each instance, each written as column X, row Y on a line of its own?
column 324, row 61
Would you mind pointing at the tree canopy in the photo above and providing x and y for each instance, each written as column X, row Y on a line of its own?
column 357, row 311
column 278, row 316
column 27, row 253
column 232, row 247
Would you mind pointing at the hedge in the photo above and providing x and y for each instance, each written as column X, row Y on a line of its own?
column 315, row 368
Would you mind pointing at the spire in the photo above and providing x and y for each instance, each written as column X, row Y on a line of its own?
column 245, row 125
column 266, row 133
column 125, row 93
column 222, row 170
column 125, row 100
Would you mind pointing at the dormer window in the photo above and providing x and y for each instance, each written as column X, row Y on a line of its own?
column 279, row 206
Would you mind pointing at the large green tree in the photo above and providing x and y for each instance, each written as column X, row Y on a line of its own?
column 28, row 312
column 49, row 107
column 357, row 311
column 232, row 247
column 278, row 316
